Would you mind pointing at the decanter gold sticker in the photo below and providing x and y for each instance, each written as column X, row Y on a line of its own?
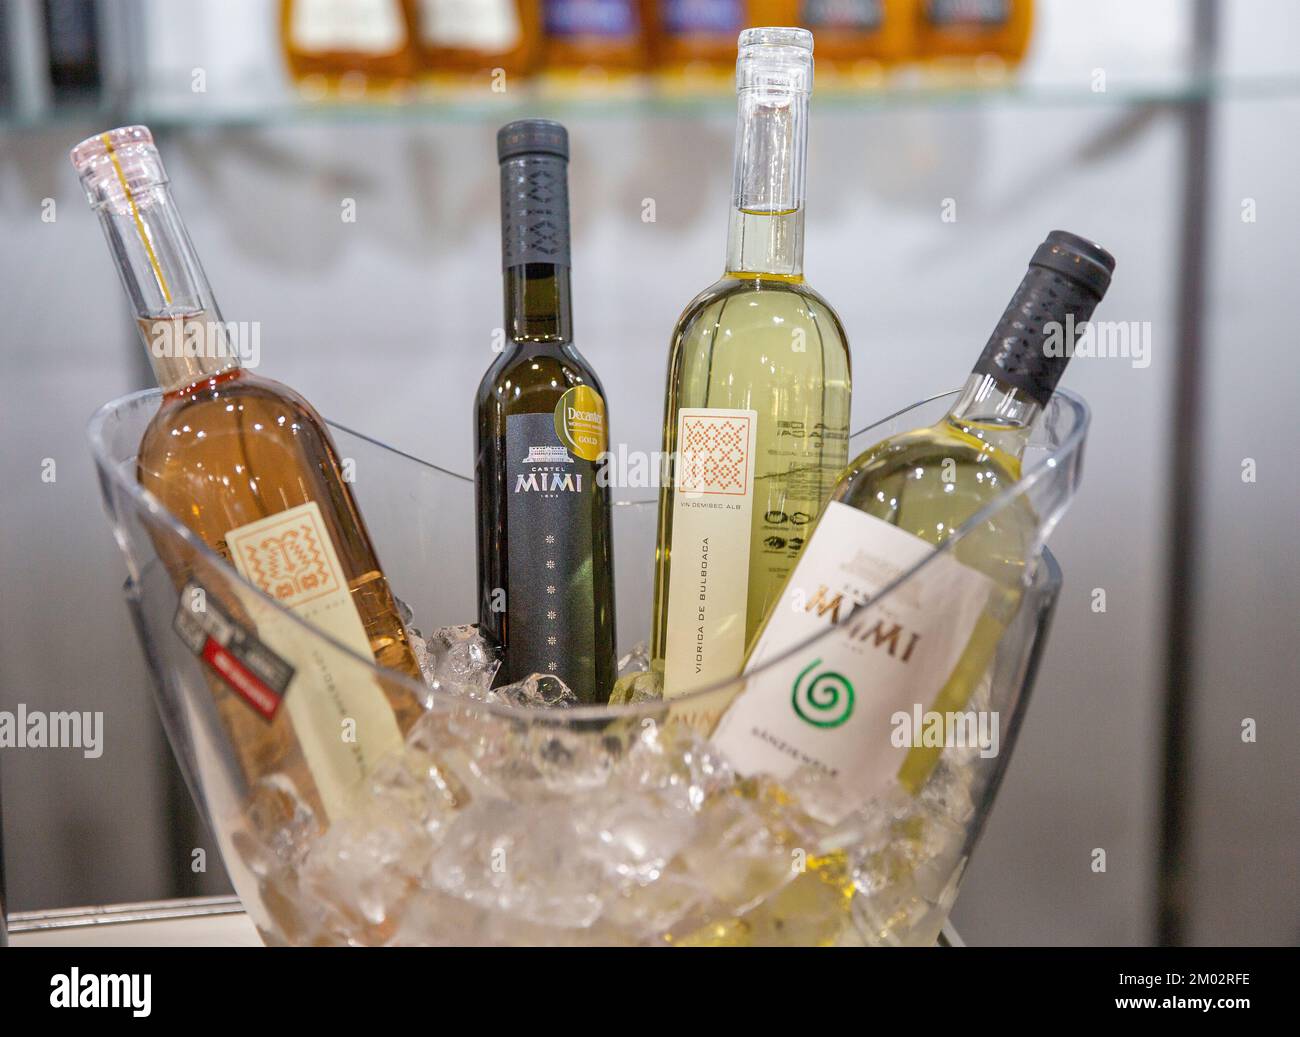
column 580, row 422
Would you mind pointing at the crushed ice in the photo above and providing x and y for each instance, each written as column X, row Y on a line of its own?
column 491, row 829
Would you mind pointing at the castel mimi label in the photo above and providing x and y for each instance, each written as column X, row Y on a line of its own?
column 550, row 499
column 830, row 705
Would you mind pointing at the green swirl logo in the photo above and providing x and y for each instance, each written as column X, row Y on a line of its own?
column 824, row 700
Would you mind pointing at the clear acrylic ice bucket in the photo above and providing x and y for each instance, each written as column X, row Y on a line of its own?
column 592, row 825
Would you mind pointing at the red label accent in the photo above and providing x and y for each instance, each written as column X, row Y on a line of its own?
column 241, row 680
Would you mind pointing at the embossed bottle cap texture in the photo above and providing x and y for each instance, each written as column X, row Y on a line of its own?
column 534, row 193
column 1034, row 339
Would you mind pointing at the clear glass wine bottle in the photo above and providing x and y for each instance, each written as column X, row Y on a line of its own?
column 756, row 418
column 249, row 466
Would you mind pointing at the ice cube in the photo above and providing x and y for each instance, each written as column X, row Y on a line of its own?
column 946, row 796
column 461, row 660
column 411, row 787
column 636, row 661
column 751, row 829
column 635, row 841
column 906, row 860
column 494, row 828
column 361, row 873
column 535, row 691
column 822, row 797
column 523, row 859
column 813, row 909
column 632, row 689
column 675, row 759
column 571, row 759
column 280, row 826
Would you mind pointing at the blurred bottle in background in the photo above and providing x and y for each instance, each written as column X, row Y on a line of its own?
column 72, row 38
column 369, row 46
column 697, row 38
column 596, row 37
column 471, row 37
column 349, row 45
column 55, row 53
column 966, row 29
column 6, row 68
column 858, row 38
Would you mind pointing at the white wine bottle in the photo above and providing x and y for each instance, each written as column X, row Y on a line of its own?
column 756, row 420
column 929, row 644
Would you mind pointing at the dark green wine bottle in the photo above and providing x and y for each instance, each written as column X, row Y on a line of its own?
column 545, row 558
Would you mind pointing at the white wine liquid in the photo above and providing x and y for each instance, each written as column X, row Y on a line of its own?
column 771, row 346
column 929, row 482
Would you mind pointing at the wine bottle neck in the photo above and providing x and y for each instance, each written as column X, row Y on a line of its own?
column 538, row 303
column 765, row 236
column 765, row 244
column 996, row 413
column 535, row 232
column 175, row 310
column 1034, row 338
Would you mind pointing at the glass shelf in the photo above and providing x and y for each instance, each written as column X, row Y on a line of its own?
column 282, row 105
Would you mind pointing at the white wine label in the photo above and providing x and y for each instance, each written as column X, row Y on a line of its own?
column 708, row 585
column 341, row 717
column 834, row 705
column 491, row 26
column 354, row 26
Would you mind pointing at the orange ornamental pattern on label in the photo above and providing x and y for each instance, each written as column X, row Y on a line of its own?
column 715, row 451
column 708, row 584
column 289, row 557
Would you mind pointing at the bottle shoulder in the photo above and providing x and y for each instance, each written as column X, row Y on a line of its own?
column 534, row 375
column 939, row 452
column 238, row 384
column 752, row 301
column 209, row 408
